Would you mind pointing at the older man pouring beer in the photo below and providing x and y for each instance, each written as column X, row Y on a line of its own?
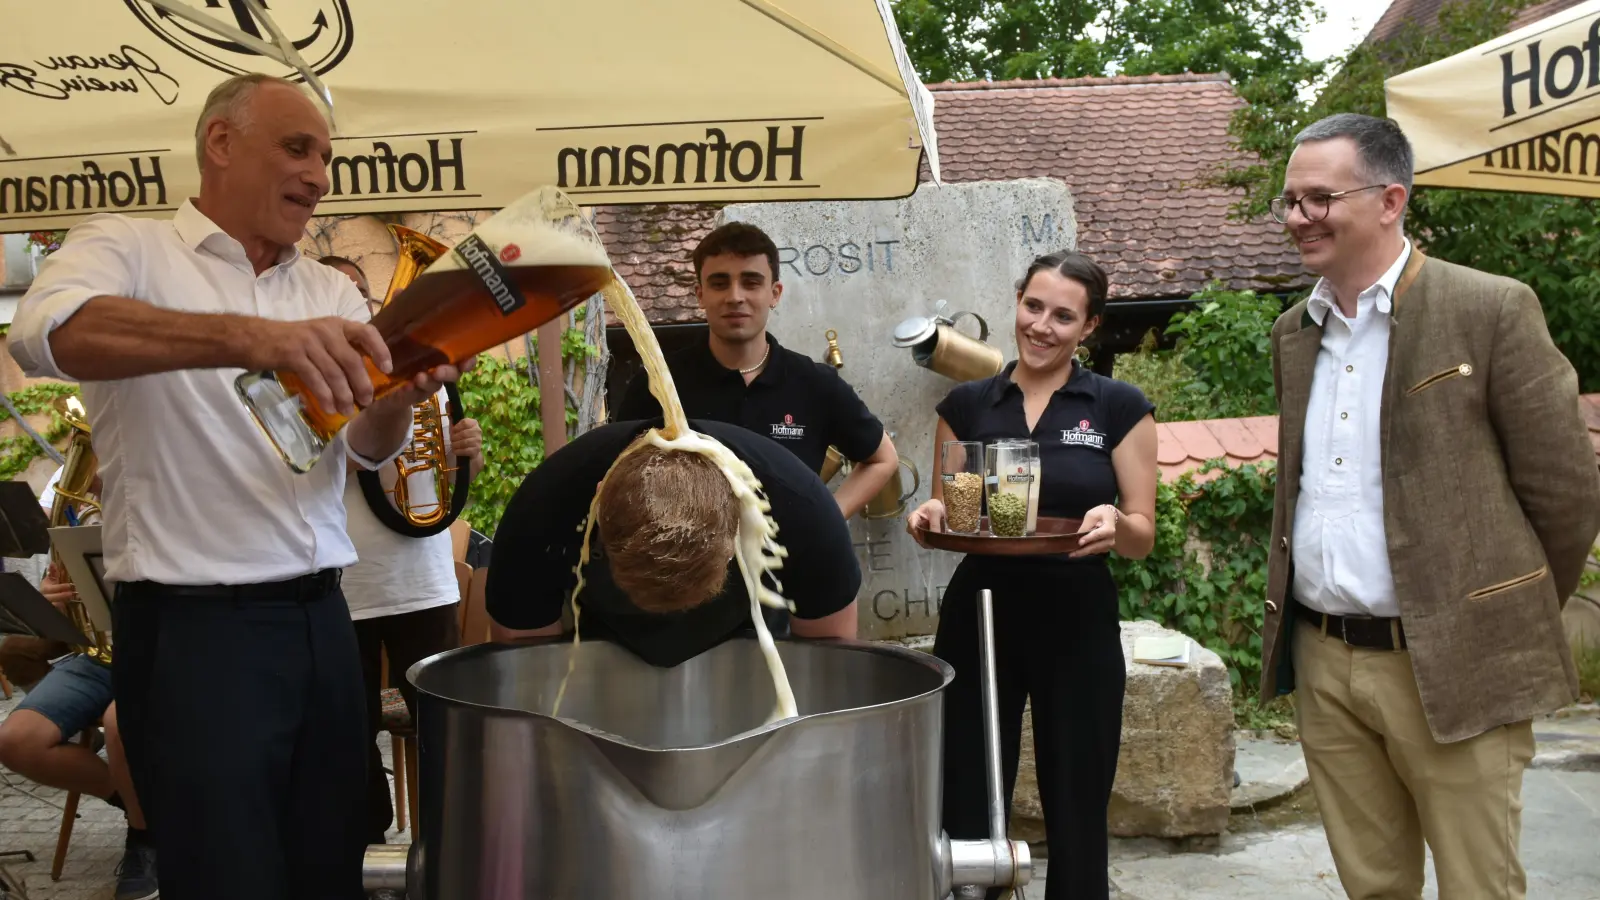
column 236, row 672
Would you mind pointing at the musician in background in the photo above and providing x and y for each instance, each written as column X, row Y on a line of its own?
column 402, row 591
column 36, row 740
column 238, row 683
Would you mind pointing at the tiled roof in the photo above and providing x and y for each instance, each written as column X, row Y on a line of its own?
column 1135, row 151
column 1426, row 14
column 1186, row 446
column 650, row 247
column 1132, row 149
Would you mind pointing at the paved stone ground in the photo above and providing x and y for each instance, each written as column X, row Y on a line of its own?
column 30, row 819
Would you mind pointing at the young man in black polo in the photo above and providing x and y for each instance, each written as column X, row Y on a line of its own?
column 742, row 376
column 661, row 580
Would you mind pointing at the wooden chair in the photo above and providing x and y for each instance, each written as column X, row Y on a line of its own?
column 69, row 816
column 474, row 628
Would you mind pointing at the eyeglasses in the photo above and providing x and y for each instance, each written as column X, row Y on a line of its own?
column 1313, row 206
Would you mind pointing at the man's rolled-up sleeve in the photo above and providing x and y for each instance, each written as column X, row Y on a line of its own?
column 100, row 257
column 371, row 465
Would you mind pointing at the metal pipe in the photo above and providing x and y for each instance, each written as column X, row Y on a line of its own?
column 985, row 864
column 384, row 867
column 991, row 715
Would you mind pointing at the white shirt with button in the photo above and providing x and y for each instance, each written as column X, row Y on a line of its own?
column 194, row 493
column 1341, row 550
column 398, row 574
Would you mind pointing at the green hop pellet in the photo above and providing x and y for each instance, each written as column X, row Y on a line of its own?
column 1008, row 515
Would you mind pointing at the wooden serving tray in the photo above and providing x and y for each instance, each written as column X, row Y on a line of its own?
column 1051, row 535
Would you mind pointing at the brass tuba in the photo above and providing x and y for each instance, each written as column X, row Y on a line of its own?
column 74, row 500
column 426, row 453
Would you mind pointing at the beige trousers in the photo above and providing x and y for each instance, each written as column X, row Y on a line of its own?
column 1385, row 785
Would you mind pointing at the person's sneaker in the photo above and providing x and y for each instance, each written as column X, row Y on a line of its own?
column 136, row 874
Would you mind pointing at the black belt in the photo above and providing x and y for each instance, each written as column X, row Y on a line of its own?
column 303, row 589
column 1367, row 632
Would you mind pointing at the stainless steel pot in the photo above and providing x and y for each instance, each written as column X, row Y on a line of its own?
column 664, row 783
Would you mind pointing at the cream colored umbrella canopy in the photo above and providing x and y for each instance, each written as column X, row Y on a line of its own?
column 468, row 104
column 1519, row 113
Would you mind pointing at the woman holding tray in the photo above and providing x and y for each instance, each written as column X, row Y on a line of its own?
column 1057, row 637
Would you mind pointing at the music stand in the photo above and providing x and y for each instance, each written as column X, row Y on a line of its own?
column 24, row 528
column 79, row 550
column 24, row 532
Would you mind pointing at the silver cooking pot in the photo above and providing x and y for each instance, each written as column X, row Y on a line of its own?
column 664, row 783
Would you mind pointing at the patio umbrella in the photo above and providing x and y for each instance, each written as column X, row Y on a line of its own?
column 468, row 104
column 1519, row 113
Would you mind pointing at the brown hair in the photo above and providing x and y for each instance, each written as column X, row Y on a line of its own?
column 737, row 239
column 1077, row 267
column 668, row 519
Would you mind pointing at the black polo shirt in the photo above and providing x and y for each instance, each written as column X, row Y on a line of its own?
column 539, row 541
column 798, row 402
column 1084, row 421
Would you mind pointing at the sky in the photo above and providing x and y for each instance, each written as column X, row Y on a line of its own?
column 1348, row 21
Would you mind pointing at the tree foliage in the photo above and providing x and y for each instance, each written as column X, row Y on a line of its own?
column 981, row 40
column 1550, row 243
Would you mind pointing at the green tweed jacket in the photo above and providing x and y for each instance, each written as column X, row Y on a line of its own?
column 1491, row 495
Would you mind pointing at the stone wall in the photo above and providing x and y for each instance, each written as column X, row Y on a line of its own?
column 860, row 268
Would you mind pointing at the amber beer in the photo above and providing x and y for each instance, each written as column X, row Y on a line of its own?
column 527, row 265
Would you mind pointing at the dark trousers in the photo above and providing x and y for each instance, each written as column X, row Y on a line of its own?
column 1057, row 641
column 241, row 714
column 405, row 638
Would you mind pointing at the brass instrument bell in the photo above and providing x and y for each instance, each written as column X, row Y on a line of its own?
column 74, row 500
column 936, row 344
column 80, row 466
column 425, row 454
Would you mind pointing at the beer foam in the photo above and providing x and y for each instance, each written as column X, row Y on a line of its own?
column 756, row 547
column 527, row 225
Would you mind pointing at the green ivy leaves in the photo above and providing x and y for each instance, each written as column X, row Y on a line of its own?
column 19, row 451
column 1207, row 575
column 502, row 398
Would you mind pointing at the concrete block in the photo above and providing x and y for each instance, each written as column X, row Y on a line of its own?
column 860, row 268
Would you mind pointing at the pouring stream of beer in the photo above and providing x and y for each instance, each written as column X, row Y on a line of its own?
column 755, row 546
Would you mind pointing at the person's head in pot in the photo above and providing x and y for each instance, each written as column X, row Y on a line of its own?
column 661, row 577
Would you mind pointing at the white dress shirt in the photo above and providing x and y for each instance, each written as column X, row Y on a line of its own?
column 1341, row 550
column 398, row 574
column 194, row 493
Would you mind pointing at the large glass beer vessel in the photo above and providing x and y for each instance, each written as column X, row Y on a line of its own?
column 528, row 264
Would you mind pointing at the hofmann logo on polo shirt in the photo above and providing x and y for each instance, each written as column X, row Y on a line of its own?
column 1084, row 436
column 788, row 430
column 720, row 153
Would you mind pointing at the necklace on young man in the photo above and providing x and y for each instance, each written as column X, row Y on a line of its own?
column 759, row 364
